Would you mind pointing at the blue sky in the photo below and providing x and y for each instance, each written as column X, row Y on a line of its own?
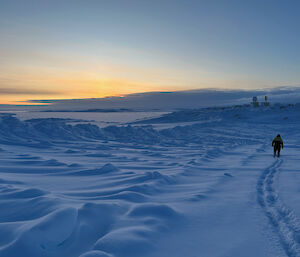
column 72, row 49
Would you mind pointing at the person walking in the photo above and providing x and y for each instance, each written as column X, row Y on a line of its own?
column 277, row 143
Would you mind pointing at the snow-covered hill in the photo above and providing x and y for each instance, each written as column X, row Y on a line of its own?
column 190, row 183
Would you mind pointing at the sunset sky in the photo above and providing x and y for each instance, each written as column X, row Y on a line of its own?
column 65, row 49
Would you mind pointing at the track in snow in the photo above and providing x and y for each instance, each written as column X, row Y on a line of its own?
column 283, row 220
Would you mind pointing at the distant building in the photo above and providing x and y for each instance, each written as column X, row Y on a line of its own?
column 255, row 103
column 266, row 103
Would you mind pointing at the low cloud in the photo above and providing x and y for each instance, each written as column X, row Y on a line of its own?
column 175, row 100
column 49, row 101
column 172, row 100
column 26, row 91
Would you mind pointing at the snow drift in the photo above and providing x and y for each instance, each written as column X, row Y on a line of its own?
column 73, row 189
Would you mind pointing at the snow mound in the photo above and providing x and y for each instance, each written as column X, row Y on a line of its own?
column 154, row 210
column 125, row 242
column 22, row 194
column 96, row 254
column 63, row 232
column 106, row 169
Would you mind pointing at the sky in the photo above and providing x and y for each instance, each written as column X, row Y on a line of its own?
column 71, row 49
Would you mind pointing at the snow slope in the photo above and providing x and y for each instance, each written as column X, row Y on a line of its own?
column 209, row 187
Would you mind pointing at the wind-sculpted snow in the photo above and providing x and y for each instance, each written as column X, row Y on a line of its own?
column 75, row 219
column 42, row 132
column 72, row 189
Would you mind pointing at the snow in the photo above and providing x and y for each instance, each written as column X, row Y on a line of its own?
column 199, row 182
column 101, row 119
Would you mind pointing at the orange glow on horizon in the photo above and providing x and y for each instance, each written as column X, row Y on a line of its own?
column 22, row 84
column 63, row 88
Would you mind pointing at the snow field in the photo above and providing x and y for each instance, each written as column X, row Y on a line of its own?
column 202, row 189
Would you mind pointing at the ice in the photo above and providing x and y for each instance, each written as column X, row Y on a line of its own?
column 199, row 182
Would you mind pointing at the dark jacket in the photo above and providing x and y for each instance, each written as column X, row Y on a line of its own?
column 277, row 142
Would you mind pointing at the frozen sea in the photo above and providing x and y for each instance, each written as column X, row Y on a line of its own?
column 189, row 183
column 101, row 119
